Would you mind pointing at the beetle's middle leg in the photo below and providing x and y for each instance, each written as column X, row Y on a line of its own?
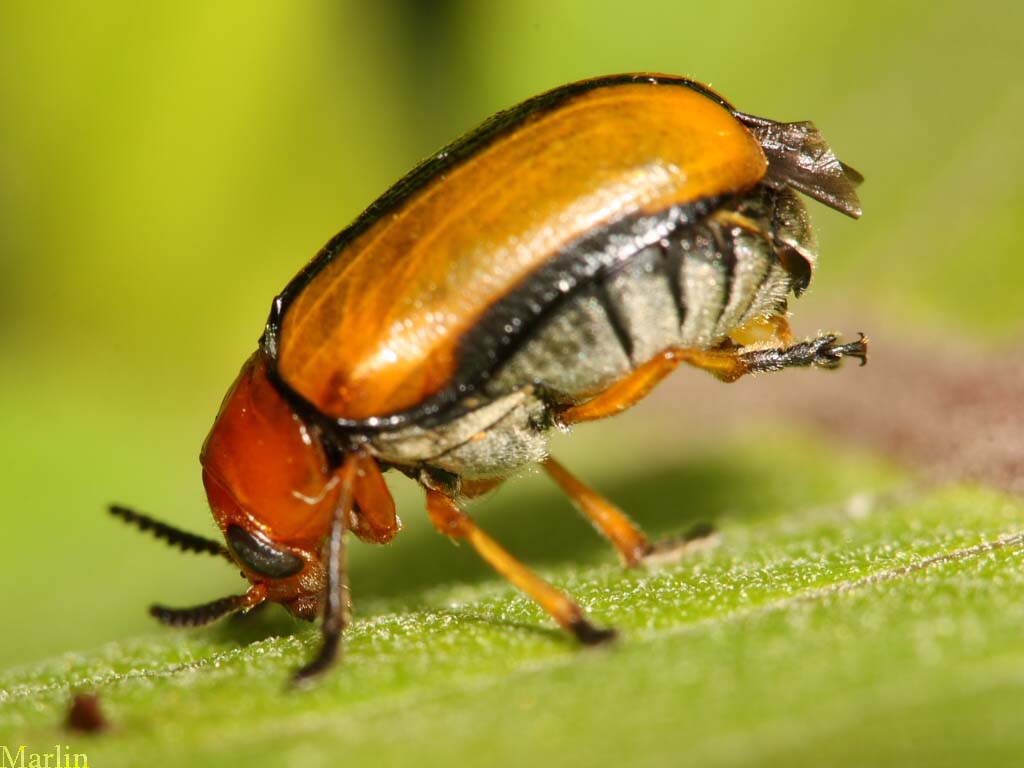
column 448, row 519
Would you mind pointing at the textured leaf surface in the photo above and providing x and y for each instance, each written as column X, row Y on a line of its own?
column 838, row 621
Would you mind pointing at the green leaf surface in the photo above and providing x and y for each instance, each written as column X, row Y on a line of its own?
column 845, row 619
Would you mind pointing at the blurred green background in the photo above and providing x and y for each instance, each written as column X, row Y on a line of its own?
column 165, row 168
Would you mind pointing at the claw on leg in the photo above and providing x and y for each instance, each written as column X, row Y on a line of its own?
column 857, row 349
column 700, row 537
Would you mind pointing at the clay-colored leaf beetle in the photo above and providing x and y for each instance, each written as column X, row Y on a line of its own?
column 546, row 269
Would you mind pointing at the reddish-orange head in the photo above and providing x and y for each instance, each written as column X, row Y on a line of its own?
column 271, row 490
column 276, row 497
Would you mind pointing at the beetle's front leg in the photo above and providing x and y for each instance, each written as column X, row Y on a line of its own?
column 336, row 600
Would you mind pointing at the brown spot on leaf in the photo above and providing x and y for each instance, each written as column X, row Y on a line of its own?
column 84, row 714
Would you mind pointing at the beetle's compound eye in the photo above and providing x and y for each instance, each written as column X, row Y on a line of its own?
column 260, row 556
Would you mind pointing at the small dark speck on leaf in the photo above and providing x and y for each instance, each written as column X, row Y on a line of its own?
column 84, row 715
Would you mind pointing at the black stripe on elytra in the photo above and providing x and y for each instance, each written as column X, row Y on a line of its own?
column 509, row 323
column 615, row 316
column 443, row 162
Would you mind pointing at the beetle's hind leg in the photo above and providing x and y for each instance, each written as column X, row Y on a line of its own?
column 729, row 364
column 821, row 352
column 448, row 519
column 725, row 363
column 634, row 547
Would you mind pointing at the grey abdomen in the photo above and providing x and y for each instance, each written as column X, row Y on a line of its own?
column 690, row 290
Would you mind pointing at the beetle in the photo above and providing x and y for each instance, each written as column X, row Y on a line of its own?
column 548, row 268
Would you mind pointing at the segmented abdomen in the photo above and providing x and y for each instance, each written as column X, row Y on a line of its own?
column 692, row 289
